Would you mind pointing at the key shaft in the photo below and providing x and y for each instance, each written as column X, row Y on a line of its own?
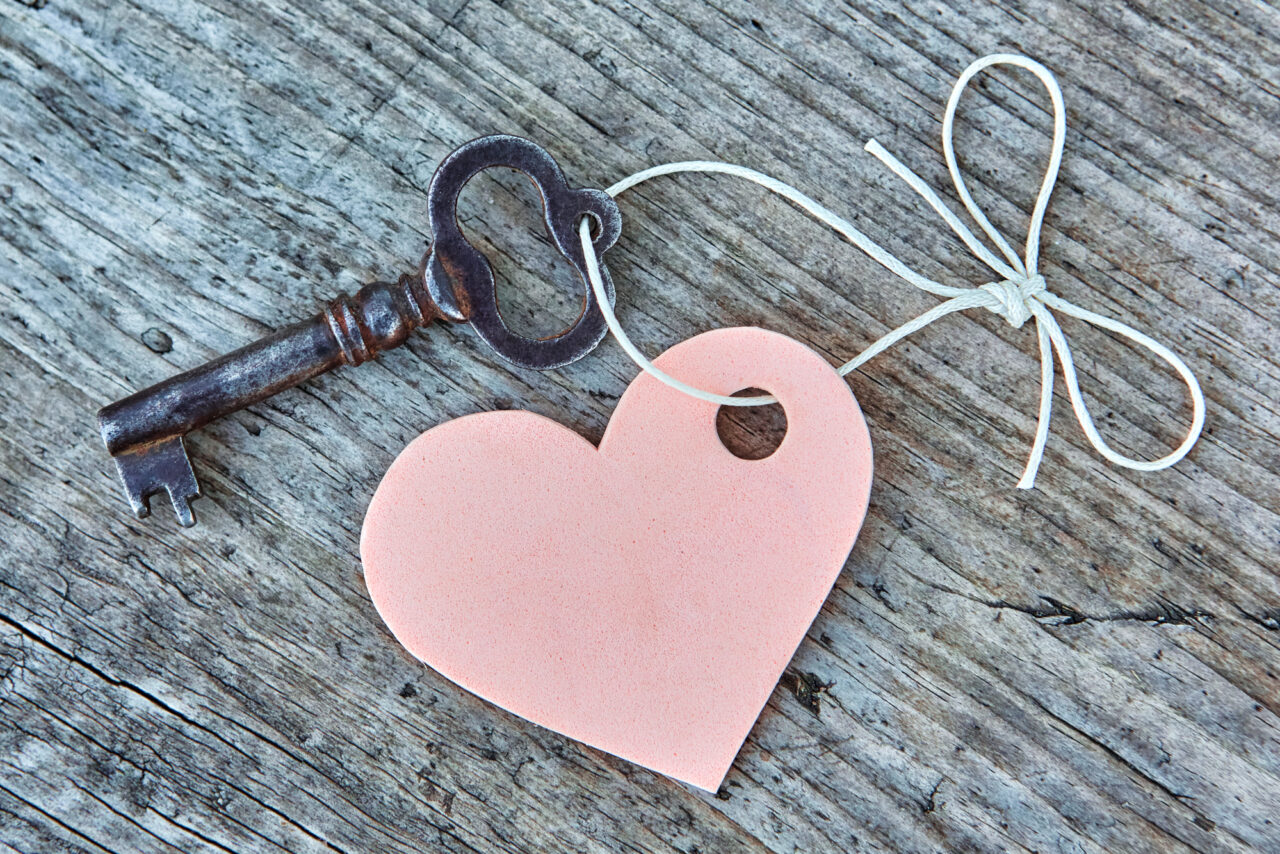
column 350, row 331
column 140, row 430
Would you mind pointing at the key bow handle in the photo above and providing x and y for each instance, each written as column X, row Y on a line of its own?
column 459, row 278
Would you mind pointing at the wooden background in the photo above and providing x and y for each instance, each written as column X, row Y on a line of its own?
column 1091, row 666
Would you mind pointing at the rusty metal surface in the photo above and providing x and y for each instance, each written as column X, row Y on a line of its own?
column 459, row 278
column 143, row 432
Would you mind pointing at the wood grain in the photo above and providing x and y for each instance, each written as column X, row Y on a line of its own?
column 1091, row 666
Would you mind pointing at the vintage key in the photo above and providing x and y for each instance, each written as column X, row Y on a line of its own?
column 144, row 432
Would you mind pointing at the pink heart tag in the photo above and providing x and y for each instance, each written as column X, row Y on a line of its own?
column 643, row 597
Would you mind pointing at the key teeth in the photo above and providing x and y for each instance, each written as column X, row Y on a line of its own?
column 141, row 506
column 182, row 508
column 159, row 467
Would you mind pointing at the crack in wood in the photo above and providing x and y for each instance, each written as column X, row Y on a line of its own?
column 1161, row 614
column 807, row 688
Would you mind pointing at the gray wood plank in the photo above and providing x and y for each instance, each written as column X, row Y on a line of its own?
column 1092, row 666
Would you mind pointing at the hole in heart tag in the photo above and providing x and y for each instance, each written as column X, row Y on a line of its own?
column 645, row 596
column 751, row 432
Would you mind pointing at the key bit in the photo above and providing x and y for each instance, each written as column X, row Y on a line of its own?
column 148, row 469
column 144, row 432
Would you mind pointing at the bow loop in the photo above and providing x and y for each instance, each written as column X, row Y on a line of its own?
column 1030, row 261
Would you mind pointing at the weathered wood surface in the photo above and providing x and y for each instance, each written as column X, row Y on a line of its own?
column 1092, row 666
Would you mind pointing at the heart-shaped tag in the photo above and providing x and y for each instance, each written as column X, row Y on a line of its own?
column 643, row 597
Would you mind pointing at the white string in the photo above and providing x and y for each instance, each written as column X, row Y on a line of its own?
column 1018, row 296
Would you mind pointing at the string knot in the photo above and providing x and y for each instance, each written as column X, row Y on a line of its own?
column 1013, row 297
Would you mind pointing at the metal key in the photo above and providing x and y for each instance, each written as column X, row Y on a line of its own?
column 144, row 432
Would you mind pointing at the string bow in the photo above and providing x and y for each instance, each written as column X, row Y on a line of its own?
column 1019, row 295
